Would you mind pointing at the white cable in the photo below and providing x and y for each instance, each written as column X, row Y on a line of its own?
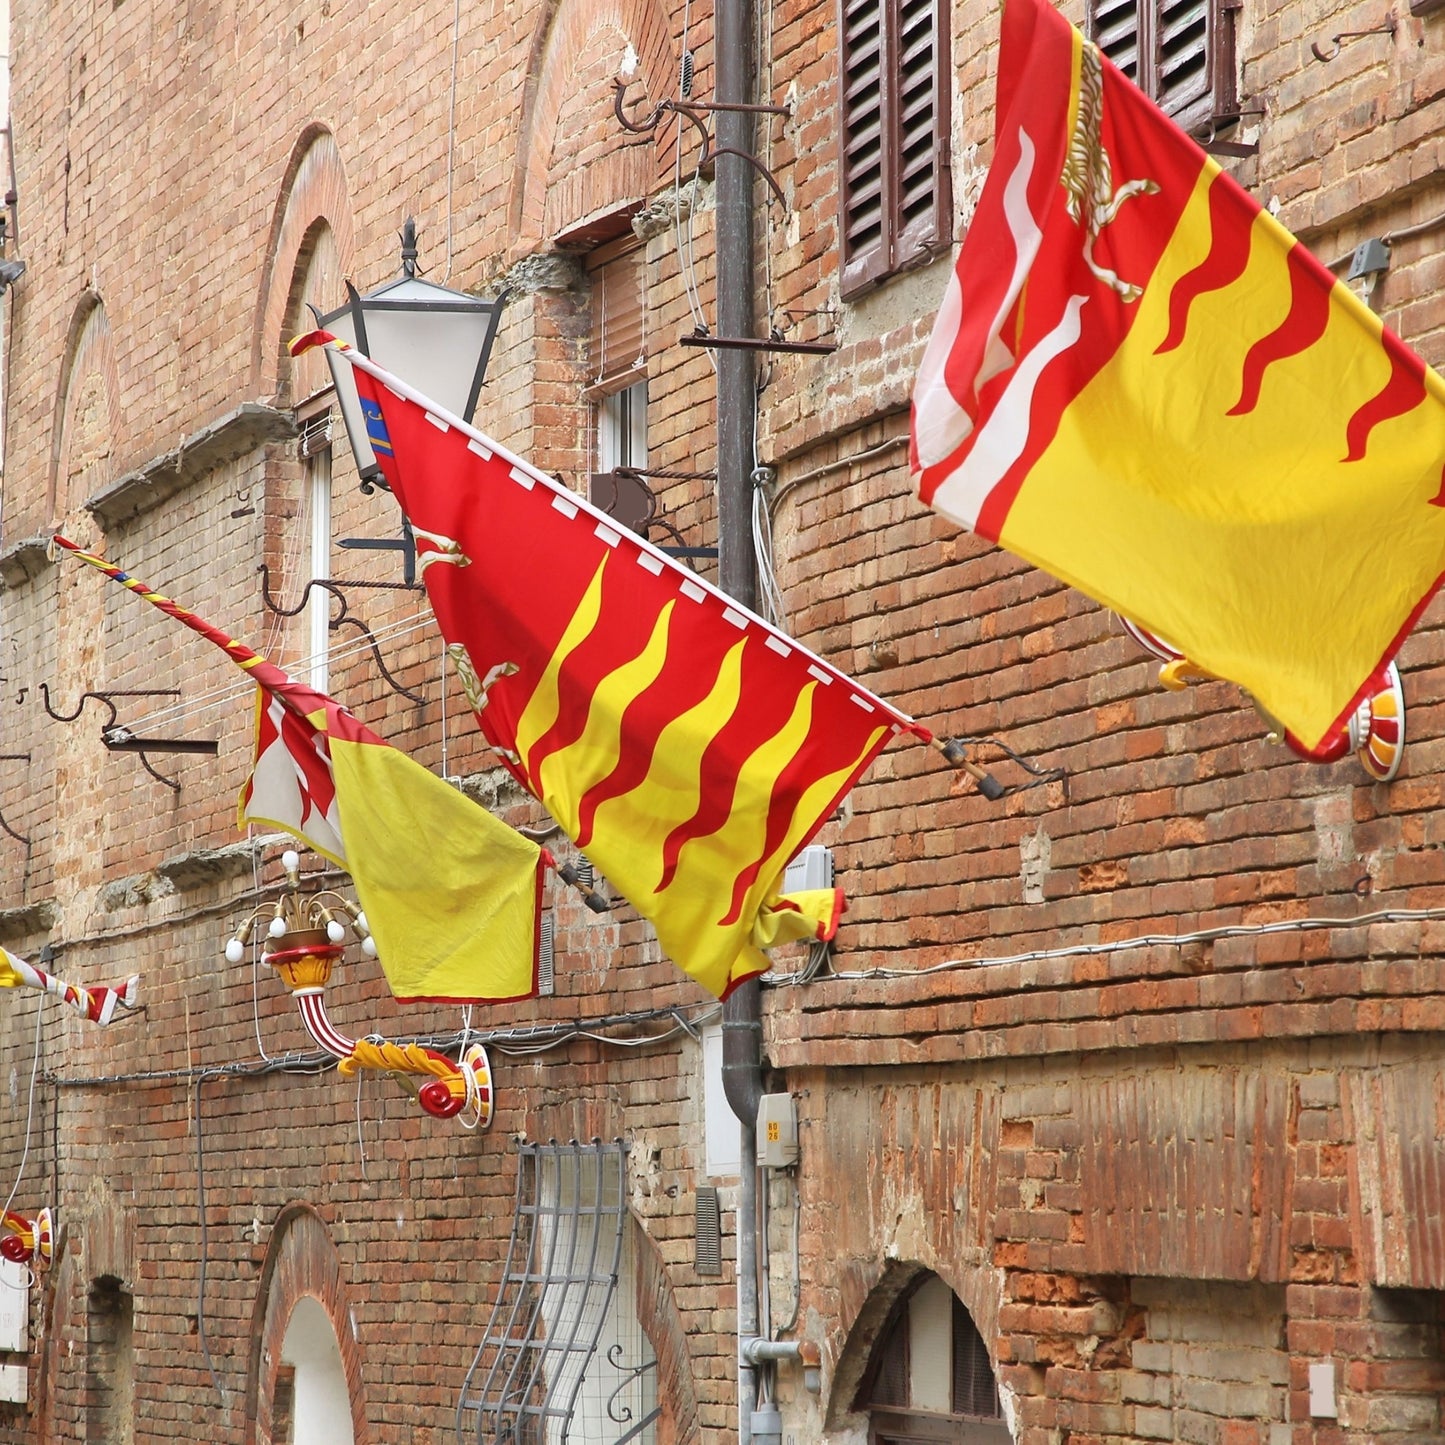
column 360, row 1139
column 220, row 699
column 452, row 133
column 1124, row 945
column 29, row 1111
column 255, row 946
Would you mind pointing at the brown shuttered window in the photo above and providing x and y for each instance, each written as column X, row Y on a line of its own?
column 618, row 343
column 895, row 203
column 1180, row 53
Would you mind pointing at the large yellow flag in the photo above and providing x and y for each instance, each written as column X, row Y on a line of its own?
column 1143, row 384
column 452, row 895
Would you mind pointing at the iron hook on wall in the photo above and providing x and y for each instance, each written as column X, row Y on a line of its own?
column 4, row 826
column 334, row 589
column 118, row 738
column 1387, row 27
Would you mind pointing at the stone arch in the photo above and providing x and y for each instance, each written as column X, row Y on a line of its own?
column 301, row 1263
column 658, row 1314
column 566, row 39
column 313, row 196
column 87, row 411
column 894, row 1278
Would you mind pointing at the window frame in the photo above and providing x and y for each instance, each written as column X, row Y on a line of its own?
column 902, row 241
column 907, row 1423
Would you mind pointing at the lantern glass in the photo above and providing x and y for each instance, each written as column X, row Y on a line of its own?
column 435, row 339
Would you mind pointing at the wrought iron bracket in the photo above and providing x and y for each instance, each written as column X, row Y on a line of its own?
column 118, row 738
column 621, row 1414
column 335, row 589
column 693, row 112
column 4, row 826
column 405, row 544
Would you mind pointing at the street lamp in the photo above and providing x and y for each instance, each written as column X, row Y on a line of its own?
column 434, row 338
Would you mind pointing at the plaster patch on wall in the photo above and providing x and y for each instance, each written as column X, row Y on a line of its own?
column 968, row 176
column 1335, row 826
column 1035, row 851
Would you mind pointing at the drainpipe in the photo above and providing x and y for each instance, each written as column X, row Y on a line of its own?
column 737, row 576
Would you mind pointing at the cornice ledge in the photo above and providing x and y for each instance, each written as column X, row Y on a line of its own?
column 28, row 918
column 23, row 561
column 250, row 425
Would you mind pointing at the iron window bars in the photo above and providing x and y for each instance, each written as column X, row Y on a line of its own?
column 554, row 1303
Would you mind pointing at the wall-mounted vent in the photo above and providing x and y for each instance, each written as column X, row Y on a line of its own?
column 546, row 957
column 709, row 1231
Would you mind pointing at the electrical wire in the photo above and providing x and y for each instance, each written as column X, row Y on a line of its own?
column 29, row 1113
column 205, row 1250
column 1125, row 945
column 512, row 1041
column 452, row 134
column 221, row 699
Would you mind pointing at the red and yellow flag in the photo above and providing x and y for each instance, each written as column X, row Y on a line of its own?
column 1140, row 382
column 451, row 894
column 688, row 748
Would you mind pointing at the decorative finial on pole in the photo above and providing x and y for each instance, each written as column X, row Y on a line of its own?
column 408, row 248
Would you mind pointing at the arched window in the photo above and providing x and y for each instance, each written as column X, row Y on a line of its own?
column 315, row 1402
column 929, row 1377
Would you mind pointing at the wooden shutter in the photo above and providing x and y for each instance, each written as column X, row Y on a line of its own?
column 923, row 192
column 1181, row 58
column 618, row 341
column 1180, row 53
column 1114, row 28
column 895, row 201
column 864, row 232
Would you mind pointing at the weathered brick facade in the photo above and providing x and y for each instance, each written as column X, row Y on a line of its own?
column 1166, row 1178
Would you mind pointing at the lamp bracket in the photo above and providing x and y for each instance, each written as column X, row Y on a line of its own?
column 693, row 113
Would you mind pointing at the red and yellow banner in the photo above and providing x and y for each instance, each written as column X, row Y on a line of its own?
column 688, row 748
column 1143, row 384
column 452, row 895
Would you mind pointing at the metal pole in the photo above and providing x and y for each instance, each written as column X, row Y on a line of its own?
column 737, row 576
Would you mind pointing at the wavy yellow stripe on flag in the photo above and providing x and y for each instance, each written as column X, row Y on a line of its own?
column 1268, row 489
column 814, row 801
column 543, row 705
column 671, row 793
column 743, row 836
column 567, row 774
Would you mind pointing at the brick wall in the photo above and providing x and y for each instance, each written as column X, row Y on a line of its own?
column 1166, row 1180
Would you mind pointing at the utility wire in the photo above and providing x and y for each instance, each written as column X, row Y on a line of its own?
column 1126, row 945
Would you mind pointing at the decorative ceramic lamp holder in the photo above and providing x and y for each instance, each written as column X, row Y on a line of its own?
column 304, row 940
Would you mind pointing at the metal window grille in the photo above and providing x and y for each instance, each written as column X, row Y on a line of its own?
column 554, row 1305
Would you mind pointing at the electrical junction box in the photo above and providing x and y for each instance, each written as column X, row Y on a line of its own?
column 812, row 868
column 777, row 1131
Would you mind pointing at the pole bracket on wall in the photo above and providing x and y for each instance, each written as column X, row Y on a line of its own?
column 334, row 588
column 118, row 738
